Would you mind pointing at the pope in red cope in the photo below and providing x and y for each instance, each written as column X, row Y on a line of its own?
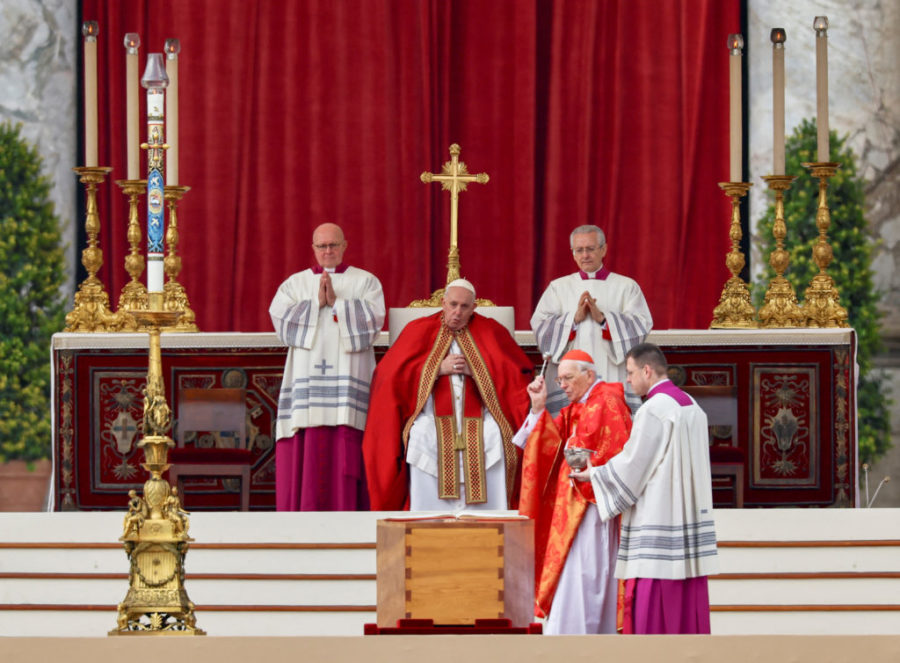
column 445, row 401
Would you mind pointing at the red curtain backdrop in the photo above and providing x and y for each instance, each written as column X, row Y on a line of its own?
column 297, row 112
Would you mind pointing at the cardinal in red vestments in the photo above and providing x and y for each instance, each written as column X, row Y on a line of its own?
column 574, row 551
column 445, row 401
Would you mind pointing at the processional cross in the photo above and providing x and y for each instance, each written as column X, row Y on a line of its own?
column 454, row 177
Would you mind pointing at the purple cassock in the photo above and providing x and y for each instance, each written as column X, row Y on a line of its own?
column 321, row 469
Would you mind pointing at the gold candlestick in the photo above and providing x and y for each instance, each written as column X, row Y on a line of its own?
column 822, row 305
column 734, row 309
column 134, row 295
column 155, row 529
column 176, row 295
column 91, row 312
column 780, row 308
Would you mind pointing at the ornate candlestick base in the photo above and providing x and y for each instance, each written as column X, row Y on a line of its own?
column 822, row 306
column 91, row 312
column 735, row 309
column 780, row 308
column 176, row 295
column 134, row 295
column 155, row 530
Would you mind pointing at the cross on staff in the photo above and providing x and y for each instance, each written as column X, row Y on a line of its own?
column 454, row 177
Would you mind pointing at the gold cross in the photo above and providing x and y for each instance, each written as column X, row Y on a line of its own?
column 454, row 178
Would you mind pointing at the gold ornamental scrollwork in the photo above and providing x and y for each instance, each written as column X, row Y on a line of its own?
column 780, row 307
column 91, row 312
column 155, row 526
column 176, row 298
column 822, row 301
column 134, row 294
column 735, row 310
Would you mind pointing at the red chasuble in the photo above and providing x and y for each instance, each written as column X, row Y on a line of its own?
column 406, row 376
column 602, row 423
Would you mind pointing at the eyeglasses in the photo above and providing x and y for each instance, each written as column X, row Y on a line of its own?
column 566, row 379
column 587, row 249
column 325, row 247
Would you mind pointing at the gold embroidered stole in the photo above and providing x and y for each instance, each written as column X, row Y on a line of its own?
column 471, row 440
column 451, row 442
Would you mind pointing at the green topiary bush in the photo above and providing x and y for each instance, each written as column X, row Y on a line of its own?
column 32, row 272
column 851, row 268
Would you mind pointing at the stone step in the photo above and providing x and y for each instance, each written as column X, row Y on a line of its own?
column 783, row 571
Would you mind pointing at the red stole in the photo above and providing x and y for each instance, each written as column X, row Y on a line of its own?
column 602, row 423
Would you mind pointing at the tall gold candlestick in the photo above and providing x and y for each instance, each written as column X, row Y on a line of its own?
column 822, row 305
column 155, row 528
column 780, row 308
column 91, row 312
column 176, row 296
column 735, row 309
column 134, row 295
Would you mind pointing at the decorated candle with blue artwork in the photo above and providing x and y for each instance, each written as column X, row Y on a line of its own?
column 155, row 81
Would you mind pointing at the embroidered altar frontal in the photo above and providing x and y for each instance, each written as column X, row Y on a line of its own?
column 98, row 408
column 795, row 410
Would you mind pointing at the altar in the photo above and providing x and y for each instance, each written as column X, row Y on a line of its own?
column 795, row 392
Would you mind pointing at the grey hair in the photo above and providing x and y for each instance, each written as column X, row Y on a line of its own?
column 583, row 230
column 584, row 366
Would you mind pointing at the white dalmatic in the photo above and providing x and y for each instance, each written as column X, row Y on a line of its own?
column 330, row 358
column 628, row 321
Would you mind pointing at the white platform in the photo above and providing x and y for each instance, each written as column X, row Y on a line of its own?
column 784, row 571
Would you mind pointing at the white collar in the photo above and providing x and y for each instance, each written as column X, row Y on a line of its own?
column 587, row 394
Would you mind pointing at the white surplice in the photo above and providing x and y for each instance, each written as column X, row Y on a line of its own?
column 628, row 321
column 660, row 484
column 330, row 358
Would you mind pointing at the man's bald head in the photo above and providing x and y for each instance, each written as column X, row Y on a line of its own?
column 329, row 245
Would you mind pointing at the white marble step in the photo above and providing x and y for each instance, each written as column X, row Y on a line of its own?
column 249, row 574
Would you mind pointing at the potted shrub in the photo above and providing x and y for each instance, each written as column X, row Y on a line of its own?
column 851, row 268
column 32, row 273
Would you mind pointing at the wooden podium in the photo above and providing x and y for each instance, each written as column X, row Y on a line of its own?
column 455, row 570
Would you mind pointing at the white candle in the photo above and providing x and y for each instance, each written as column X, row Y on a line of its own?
column 172, row 48
column 90, row 30
column 778, row 38
column 821, row 27
column 155, row 81
column 735, row 46
column 132, row 140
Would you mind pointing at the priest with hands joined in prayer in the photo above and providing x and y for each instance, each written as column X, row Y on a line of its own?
column 445, row 400
column 660, row 484
column 595, row 310
column 328, row 316
column 575, row 589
